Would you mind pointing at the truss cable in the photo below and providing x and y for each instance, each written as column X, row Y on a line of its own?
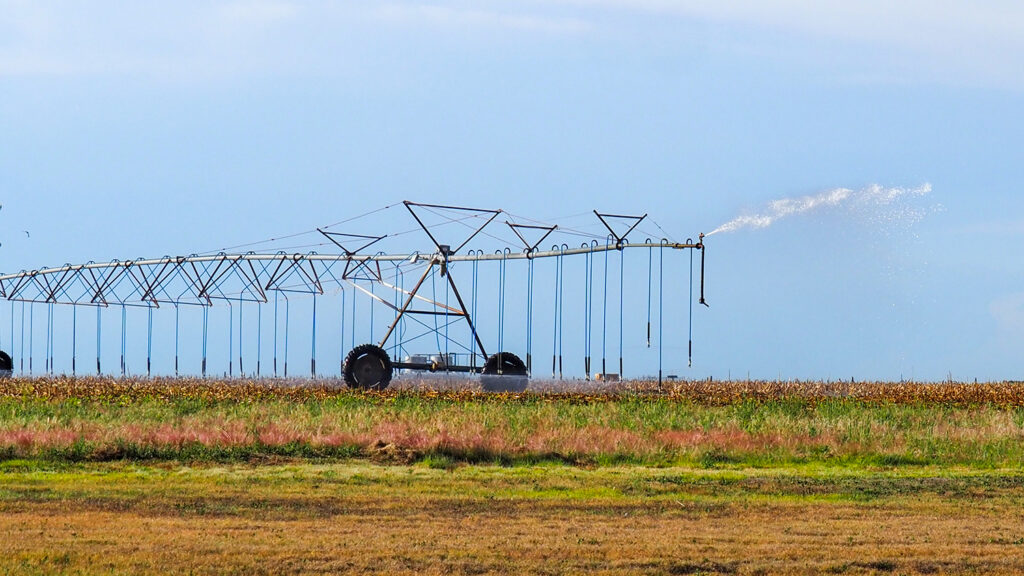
column 124, row 338
column 667, row 235
column 529, row 316
column 296, row 234
column 99, row 337
column 276, row 292
column 661, row 300
column 622, row 271
column 206, row 330
column 604, row 311
column 650, row 274
column 312, row 354
column 363, row 215
column 287, row 313
column 689, row 314
column 149, row 341
column 177, row 324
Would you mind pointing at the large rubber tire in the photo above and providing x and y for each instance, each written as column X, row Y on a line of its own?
column 504, row 372
column 6, row 365
column 368, row 367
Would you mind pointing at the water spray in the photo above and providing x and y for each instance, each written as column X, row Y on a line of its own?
column 874, row 196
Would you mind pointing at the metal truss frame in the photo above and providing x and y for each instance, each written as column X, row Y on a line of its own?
column 201, row 280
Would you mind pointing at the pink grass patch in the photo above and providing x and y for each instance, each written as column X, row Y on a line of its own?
column 27, row 438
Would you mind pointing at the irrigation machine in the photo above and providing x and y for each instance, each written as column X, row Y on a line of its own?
column 261, row 278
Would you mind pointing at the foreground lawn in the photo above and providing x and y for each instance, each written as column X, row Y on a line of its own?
column 356, row 517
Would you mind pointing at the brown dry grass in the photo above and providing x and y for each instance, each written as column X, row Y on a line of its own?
column 705, row 392
column 358, row 518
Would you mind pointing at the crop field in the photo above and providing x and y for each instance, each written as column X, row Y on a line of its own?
column 206, row 477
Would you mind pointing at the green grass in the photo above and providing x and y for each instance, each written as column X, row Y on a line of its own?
column 443, row 431
column 302, row 517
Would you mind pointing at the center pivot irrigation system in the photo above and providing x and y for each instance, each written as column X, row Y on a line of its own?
column 261, row 278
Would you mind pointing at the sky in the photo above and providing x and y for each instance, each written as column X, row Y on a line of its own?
column 131, row 129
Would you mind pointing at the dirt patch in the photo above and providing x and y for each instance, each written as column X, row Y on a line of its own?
column 391, row 453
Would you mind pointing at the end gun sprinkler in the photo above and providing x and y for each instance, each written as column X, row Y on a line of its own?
column 700, row 245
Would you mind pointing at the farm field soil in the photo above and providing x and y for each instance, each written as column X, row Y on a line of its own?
column 353, row 516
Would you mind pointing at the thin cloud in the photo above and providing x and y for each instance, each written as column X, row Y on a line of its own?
column 961, row 43
column 481, row 20
column 952, row 43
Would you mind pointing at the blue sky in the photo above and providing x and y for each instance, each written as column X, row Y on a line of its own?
column 133, row 129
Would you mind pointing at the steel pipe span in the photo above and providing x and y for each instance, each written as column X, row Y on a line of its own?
column 201, row 279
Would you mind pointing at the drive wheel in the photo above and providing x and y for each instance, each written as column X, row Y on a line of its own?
column 6, row 364
column 504, row 372
column 367, row 367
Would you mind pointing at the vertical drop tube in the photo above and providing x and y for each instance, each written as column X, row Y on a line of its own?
column 74, row 337
column 241, row 367
column 661, row 305
column 341, row 363
column 149, row 341
column 99, row 337
column 177, row 320
column 206, row 326
column 231, row 338
column 31, row 325
column 650, row 274
column 287, row 312
column 561, row 307
column 529, row 317
column 48, row 355
column 312, row 352
column 703, row 251
column 124, row 339
column 622, row 260
column 275, row 333
column 554, row 318
column 604, row 313
column 259, row 336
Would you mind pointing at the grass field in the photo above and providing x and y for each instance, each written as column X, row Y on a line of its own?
column 179, row 476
